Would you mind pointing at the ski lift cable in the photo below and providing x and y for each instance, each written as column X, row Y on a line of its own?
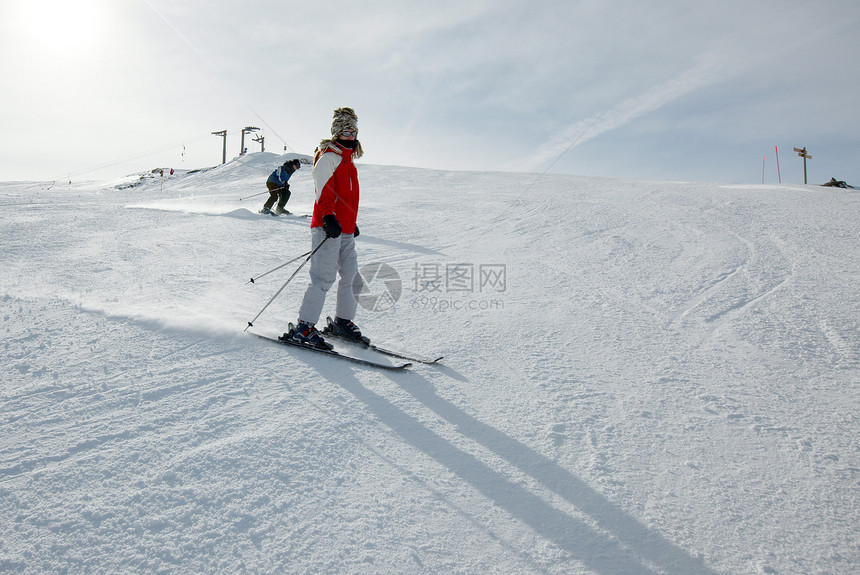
column 217, row 71
column 130, row 157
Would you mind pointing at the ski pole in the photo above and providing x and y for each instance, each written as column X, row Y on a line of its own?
column 310, row 255
column 277, row 268
column 261, row 193
column 253, row 196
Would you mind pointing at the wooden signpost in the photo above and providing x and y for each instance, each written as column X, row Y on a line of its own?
column 802, row 153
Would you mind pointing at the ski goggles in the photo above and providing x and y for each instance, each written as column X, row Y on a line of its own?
column 349, row 134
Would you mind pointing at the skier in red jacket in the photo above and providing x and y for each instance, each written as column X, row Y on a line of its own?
column 334, row 217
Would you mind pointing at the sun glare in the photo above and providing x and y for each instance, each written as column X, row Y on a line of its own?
column 62, row 26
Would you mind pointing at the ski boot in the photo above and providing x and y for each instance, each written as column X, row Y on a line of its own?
column 307, row 334
column 281, row 210
column 347, row 330
column 267, row 211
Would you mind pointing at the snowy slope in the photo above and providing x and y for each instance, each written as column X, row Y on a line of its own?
column 640, row 377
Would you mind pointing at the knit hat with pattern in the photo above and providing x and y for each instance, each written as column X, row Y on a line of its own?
column 344, row 120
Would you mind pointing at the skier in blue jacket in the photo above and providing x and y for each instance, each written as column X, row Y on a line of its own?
column 279, row 188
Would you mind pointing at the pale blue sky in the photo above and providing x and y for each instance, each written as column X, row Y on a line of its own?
column 615, row 88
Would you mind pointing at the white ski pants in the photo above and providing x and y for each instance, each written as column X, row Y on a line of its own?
column 336, row 256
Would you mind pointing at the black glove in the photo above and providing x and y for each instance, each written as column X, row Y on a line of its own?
column 331, row 226
column 356, row 230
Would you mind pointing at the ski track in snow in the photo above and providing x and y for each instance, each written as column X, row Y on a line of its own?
column 667, row 383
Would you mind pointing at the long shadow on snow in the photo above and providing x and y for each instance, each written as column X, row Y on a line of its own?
column 399, row 246
column 627, row 547
column 638, row 544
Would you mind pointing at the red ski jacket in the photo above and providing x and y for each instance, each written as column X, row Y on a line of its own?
column 336, row 187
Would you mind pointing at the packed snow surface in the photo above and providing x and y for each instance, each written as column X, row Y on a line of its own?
column 639, row 378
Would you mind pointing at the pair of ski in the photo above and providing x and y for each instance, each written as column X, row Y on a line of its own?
column 273, row 213
column 286, row 339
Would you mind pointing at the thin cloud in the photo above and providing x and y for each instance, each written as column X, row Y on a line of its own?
column 707, row 72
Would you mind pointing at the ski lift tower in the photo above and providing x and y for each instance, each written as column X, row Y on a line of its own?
column 246, row 130
column 223, row 134
column 262, row 140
